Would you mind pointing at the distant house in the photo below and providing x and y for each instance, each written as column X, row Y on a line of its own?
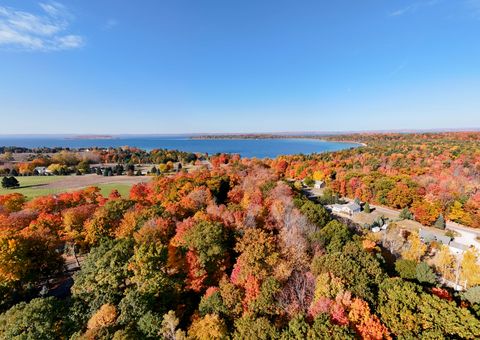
column 428, row 236
column 41, row 170
column 457, row 248
column 347, row 209
column 319, row 184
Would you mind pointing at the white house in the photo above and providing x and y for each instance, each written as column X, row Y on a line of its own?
column 41, row 170
column 319, row 184
column 457, row 248
column 348, row 209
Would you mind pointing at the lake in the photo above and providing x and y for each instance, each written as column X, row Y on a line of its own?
column 259, row 148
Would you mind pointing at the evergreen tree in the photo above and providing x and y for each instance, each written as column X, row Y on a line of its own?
column 10, row 182
column 405, row 214
column 440, row 222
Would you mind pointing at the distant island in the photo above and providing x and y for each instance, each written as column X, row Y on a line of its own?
column 91, row 137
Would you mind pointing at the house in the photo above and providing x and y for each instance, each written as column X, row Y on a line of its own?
column 319, row 184
column 41, row 170
column 428, row 236
column 455, row 248
column 347, row 209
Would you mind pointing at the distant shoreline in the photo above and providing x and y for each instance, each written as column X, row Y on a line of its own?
column 261, row 136
column 91, row 137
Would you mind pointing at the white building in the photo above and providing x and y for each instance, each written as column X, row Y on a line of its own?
column 347, row 209
column 319, row 184
column 41, row 170
column 457, row 248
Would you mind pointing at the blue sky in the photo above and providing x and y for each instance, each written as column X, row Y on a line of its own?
column 175, row 66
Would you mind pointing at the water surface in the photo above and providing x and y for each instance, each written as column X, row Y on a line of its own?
column 259, row 148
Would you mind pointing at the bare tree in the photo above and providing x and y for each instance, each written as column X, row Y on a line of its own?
column 297, row 293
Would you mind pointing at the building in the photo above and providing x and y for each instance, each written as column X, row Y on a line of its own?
column 41, row 170
column 319, row 185
column 428, row 236
column 346, row 209
column 457, row 248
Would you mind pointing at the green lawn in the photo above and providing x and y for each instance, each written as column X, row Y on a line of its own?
column 32, row 186
column 123, row 189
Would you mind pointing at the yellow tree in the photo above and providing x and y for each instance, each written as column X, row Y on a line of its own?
column 318, row 175
column 416, row 248
column 470, row 269
column 456, row 212
column 211, row 326
column 446, row 263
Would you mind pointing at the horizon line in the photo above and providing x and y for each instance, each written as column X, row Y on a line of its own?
column 280, row 133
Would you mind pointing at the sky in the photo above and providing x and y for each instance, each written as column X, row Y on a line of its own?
column 217, row 66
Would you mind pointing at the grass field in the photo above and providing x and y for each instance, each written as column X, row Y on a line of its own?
column 123, row 189
column 34, row 186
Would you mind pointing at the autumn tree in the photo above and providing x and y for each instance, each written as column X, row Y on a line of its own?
column 446, row 263
column 416, row 249
column 359, row 270
column 106, row 220
column 12, row 202
column 211, row 326
column 470, row 269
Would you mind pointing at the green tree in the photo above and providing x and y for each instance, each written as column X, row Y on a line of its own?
column 407, row 269
column 425, row 274
column 208, row 240
column 359, row 269
column 410, row 313
column 308, row 181
column 9, row 182
column 298, row 328
column 104, row 274
column 472, row 295
column 84, row 167
column 40, row 318
column 440, row 222
column 316, row 213
column 324, row 329
column 405, row 214
column 366, row 208
column 333, row 236
column 212, row 304
column 248, row 327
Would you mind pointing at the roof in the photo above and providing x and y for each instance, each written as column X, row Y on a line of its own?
column 429, row 236
column 353, row 206
column 457, row 245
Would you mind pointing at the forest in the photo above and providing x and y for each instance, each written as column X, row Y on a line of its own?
column 237, row 251
column 429, row 174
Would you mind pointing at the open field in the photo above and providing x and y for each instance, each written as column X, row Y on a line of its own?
column 34, row 186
